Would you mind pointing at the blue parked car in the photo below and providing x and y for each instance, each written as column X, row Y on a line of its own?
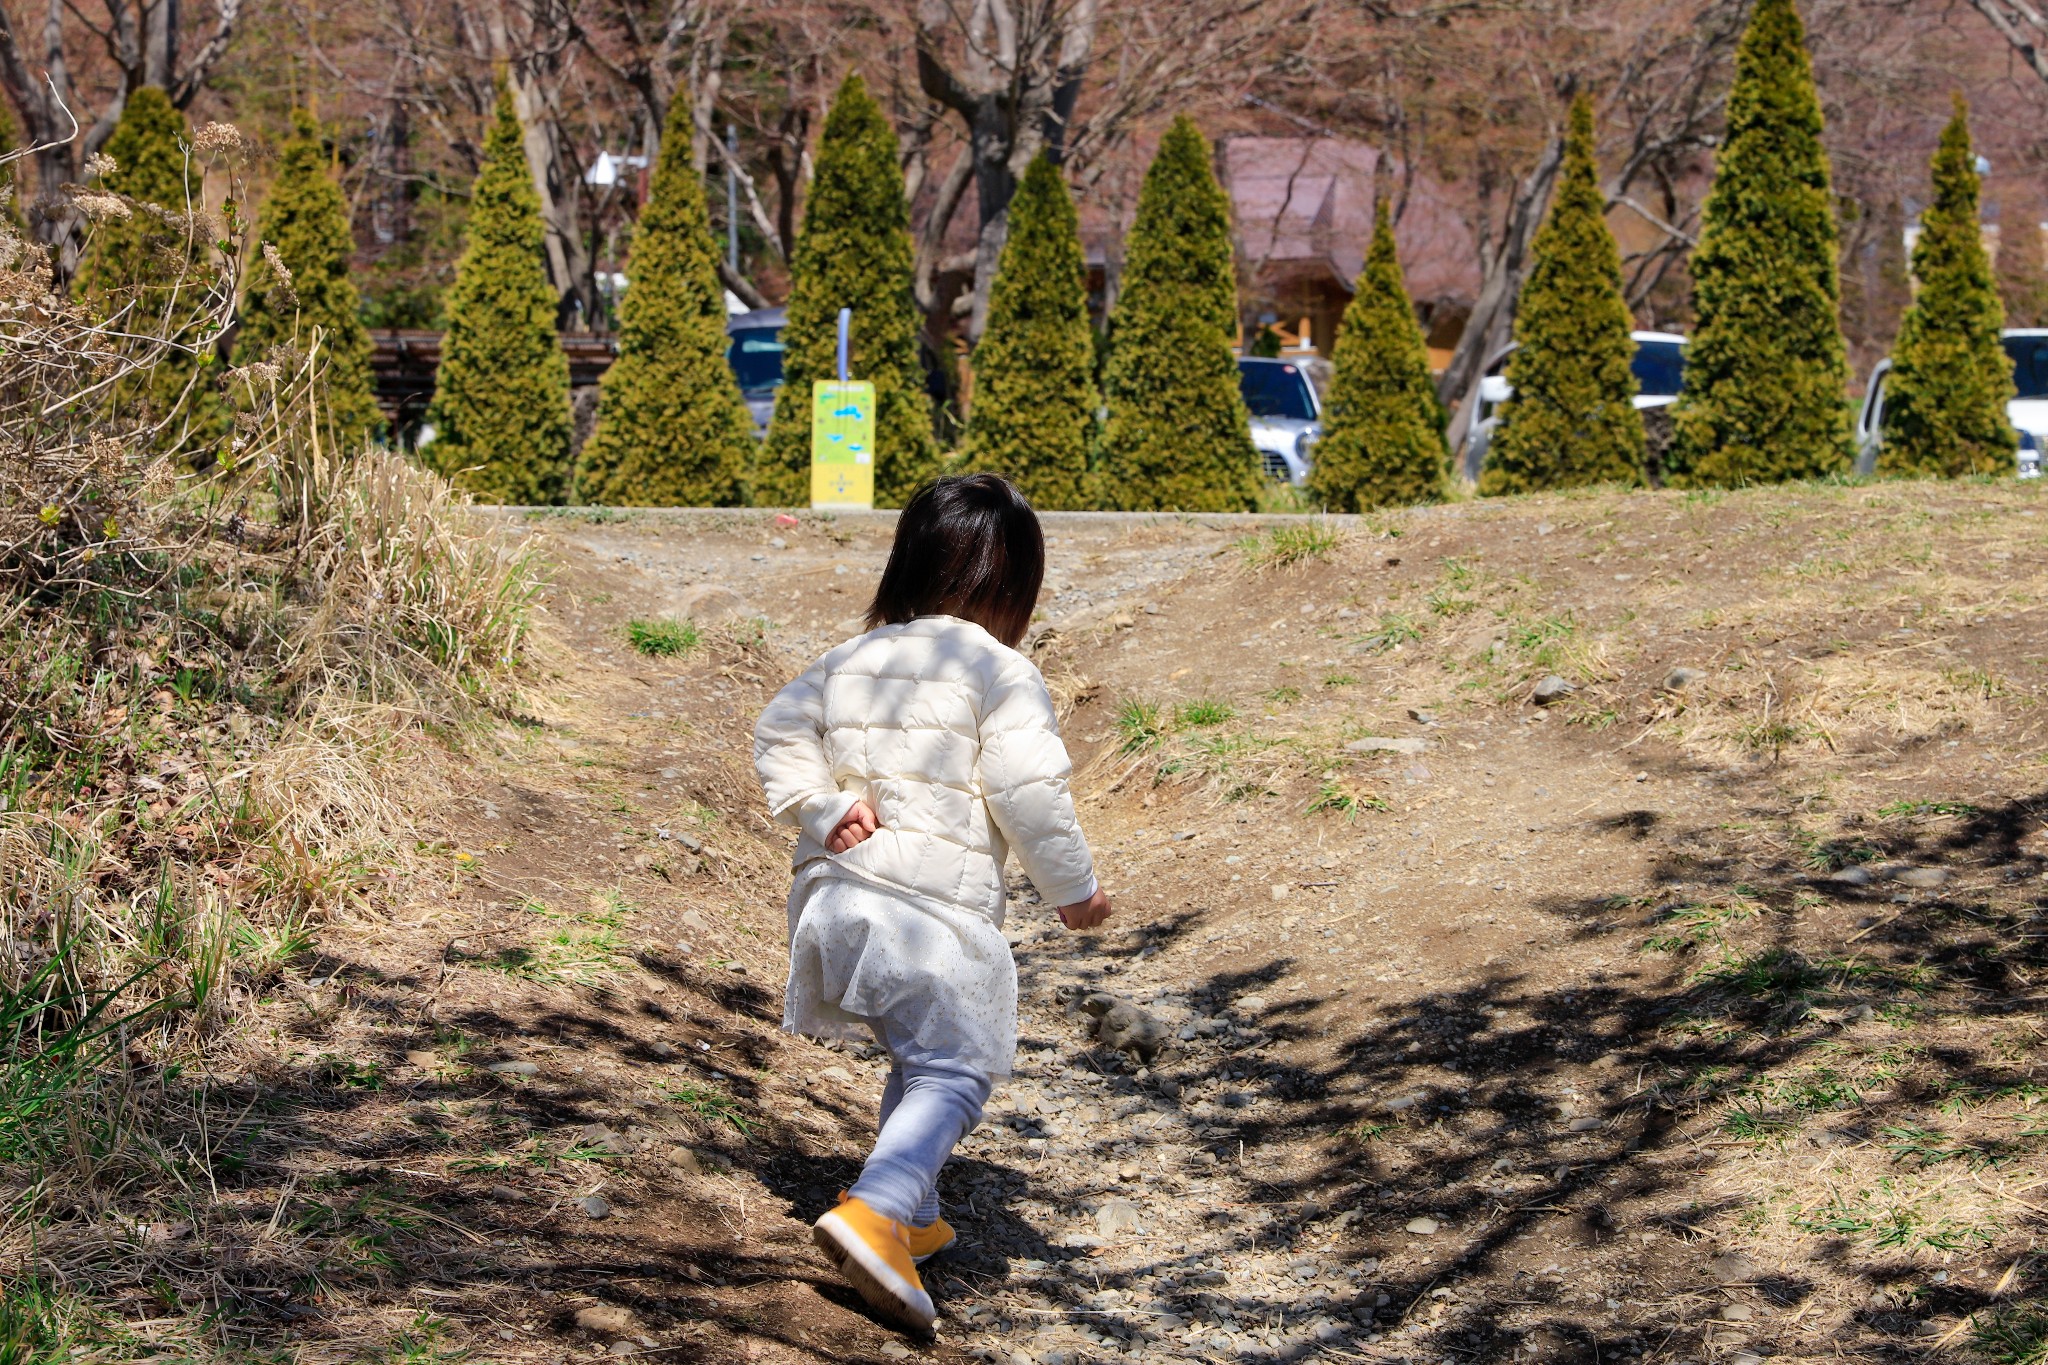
column 755, row 354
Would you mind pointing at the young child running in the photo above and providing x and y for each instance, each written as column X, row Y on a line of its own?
column 913, row 759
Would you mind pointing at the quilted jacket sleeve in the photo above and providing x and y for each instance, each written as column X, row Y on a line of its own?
column 1024, row 772
column 789, row 758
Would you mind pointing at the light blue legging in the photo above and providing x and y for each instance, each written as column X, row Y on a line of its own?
column 927, row 1107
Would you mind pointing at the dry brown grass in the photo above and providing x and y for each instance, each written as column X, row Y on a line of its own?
column 208, row 684
column 1749, row 708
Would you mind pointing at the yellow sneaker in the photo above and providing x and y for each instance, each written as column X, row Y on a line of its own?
column 927, row 1242
column 873, row 1253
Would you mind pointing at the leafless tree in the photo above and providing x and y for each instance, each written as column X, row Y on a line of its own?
column 66, row 118
column 1024, row 76
column 2023, row 26
column 583, row 82
column 1503, row 265
column 679, row 51
column 1019, row 72
column 1667, row 89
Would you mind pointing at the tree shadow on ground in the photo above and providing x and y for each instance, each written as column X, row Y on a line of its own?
column 1586, row 1113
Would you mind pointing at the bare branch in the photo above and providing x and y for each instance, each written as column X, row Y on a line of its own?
column 189, row 83
column 2022, row 26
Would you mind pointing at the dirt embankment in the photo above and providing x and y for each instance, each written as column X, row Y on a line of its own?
column 1691, row 1015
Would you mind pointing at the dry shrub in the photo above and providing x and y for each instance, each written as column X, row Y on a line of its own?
column 203, row 675
column 413, row 588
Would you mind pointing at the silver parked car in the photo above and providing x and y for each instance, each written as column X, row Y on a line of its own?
column 1659, row 368
column 1286, row 415
column 2027, row 411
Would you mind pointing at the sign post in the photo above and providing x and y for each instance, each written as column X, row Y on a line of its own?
column 843, row 436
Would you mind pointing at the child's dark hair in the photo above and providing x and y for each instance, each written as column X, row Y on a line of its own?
column 966, row 546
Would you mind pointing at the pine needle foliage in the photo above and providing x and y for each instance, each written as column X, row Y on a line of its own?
column 1034, row 371
column 2023, row 270
column 853, row 251
column 501, row 395
column 1383, row 434
column 1571, row 418
column 1950, row 381
column 672, row 430
column 305, row 217
column 1178, row 437
column 1766, row 371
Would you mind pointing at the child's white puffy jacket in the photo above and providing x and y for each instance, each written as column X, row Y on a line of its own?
column 951, row 739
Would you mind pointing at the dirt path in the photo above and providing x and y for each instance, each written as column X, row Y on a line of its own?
column 1498, row 1031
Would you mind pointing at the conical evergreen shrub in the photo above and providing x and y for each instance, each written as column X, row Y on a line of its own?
column 1383, row 434
column 1571, row 419
column 1950, row 380
column 1178, row 437
column 672, row 430
column 124, row 254
column 2023, row 270
column 129, row 262
column 1034, row 372
column 853, row 251
column 305, row 218
column 501, row 395
column 1766, row 372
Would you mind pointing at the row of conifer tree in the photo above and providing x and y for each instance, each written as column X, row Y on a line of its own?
column 1166, row 427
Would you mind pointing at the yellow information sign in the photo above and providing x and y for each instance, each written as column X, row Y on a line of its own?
column 842, row 443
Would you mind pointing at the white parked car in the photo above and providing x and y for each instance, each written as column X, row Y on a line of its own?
column 2028, row 410
column 1286, row 415
column 1660, row 373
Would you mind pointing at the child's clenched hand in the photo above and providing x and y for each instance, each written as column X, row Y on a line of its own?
column 1086, row 914
column 859, row 823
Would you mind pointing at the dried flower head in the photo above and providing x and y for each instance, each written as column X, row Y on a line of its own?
column 100, row 208
column 101, row 165
column 256, row 373
column 219, row 139
column 284, row 287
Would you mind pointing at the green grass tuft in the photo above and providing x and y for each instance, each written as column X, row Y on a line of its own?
column 1295, row 543
column 1334, row 798
column 663, row 638
column 706, row 1102
column 2012, row 1336
column 1140, row 724
column 1396, row 629
column 1902, row 809
column 574, row 949
column 1197, row 715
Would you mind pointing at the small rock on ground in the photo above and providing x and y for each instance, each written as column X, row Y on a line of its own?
column 1678, row 679
column 1373, row 744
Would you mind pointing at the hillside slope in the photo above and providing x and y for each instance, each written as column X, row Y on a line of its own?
column 1695, row 1011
